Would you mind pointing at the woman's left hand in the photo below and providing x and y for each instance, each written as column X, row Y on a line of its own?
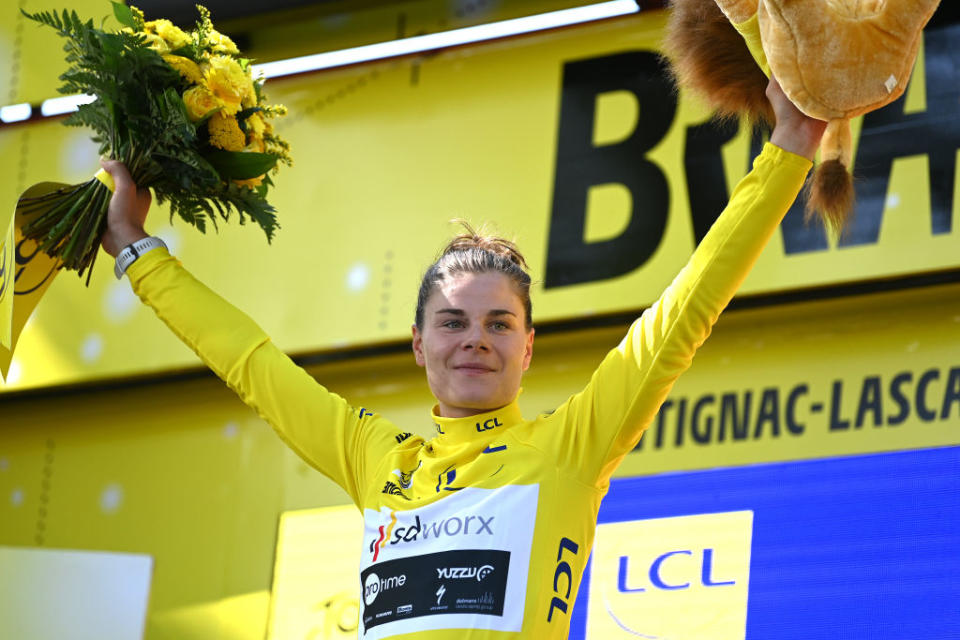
column 795, row 131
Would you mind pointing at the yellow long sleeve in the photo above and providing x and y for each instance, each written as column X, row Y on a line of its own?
column 605, row 421
column 329, row 434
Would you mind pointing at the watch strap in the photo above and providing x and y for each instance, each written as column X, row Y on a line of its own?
column 129, row 254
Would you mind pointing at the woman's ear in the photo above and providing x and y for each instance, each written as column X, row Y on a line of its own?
column 528, row 354
column 418, row 346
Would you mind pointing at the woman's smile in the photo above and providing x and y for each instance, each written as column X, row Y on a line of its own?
column 473, row 368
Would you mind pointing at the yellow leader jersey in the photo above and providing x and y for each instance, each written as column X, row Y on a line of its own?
column 482, row 531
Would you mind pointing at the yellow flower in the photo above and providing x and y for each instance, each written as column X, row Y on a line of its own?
column 137, row 16
column 188, row 69
column 221, row 43
column 227, row 80
column 155, row 42
column 200, row 102
column 255, row 144
column 274, row 110
column 255, row 130
column 225, row 132
column 173, row 35
column 256, row 125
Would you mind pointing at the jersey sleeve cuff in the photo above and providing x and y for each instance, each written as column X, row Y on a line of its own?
column 777, row 155
column 147, row 263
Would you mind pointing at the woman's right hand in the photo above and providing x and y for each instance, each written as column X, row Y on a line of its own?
column 127, row 211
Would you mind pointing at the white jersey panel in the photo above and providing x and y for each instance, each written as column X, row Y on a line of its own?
column 459, row 563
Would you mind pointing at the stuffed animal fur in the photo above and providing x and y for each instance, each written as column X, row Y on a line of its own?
column 834, row 59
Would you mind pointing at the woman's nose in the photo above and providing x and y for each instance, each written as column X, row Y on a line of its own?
column 476, row 339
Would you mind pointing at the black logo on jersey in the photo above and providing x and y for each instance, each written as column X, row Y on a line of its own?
column 403, row 436
column 564, row 570
column 472, row 582
column 393, row 490
column 406, row 477
column 486, row 425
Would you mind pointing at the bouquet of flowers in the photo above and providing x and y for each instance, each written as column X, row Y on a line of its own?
column 179, row 108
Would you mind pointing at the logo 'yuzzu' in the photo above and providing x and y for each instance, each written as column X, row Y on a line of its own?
column 464, row 573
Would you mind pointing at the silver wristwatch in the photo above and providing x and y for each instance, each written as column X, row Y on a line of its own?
column 131, row 252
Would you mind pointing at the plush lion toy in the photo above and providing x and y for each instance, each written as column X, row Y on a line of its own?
column 834, row 59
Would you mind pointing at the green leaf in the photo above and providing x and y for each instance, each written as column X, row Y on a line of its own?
column 123, row 15
column 241, row 165
column 246, row 113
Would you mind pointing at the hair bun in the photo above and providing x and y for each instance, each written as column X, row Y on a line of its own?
column 476, row 252
column 481, row 240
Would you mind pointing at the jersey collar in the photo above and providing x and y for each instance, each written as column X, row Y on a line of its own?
column 458, row 430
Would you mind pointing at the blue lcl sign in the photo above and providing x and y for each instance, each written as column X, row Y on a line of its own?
column 655, row 572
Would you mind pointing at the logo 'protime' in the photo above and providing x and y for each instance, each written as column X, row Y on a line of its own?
column 373, row 585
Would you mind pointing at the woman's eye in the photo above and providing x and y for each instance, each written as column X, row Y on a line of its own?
column 452, row 324
column 500, row 326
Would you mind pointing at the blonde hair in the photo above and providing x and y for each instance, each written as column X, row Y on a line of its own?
column 476, row 251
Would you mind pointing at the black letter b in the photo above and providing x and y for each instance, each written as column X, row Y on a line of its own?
column 580, row 165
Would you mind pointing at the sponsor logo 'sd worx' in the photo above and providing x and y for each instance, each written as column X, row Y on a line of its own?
column 473, row 525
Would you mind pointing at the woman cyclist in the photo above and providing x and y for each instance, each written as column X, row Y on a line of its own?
column 483, row 530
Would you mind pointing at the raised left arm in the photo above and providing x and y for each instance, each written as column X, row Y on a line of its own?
column 603, row 422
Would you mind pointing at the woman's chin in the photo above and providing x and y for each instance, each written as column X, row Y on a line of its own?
column 470, row 404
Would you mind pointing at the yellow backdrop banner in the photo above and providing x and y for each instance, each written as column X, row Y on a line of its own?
column 573, row 142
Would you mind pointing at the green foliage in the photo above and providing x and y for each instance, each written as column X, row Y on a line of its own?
column 124, row 16
column 139, row 118
column 239, row 165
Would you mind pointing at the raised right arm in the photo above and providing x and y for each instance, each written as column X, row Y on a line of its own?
column 320, row 426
